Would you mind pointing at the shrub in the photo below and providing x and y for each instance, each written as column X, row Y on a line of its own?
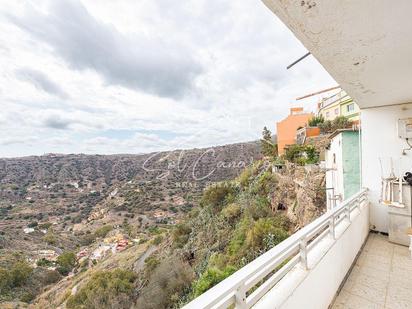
column 44, row 262
column 264, row 184
column 311, row 154
column 259, row 207
column 32, row 224
column 15, row 276
column 19, row 273
column 326, row 126
column 256, row 238
column 315, row 121
column 103, row 231
column 232, row 212
column 46, row 276
column 340, row 122
column 216, row 196
column 239, row 237
column 27, row 297
column 87, row 239
column 66, row 262
column 5, row 281
column 302, row 154
column 151, row 263
column 50, row 238
column 157, row 240
column 210, row 278
column 245, row 178
column 167, row 284
column 105, row 289
column 180, row 235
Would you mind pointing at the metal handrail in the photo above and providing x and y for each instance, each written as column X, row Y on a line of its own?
column 293, row 250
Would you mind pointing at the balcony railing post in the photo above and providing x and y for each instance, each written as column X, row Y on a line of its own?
column 240, row 302
column 332, row 227
column 303, row 252
column 347, row 212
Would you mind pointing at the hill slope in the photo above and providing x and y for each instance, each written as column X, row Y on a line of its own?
column 55, row 203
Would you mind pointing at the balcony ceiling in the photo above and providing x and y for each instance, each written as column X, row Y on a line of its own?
column 365, row 45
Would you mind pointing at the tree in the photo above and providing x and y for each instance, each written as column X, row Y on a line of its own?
column 267, row 145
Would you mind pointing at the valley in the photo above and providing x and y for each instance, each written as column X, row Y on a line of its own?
column 93, row 205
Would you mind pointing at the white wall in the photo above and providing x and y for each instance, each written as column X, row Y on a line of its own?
column 334, row 173
column 380, row 140
column 327, row 269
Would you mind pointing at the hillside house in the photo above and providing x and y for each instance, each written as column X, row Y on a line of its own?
column 101, row 251
column 339, row 104
column 286, row 128
column 46, row 254
column 122, row 245
column 28, row 230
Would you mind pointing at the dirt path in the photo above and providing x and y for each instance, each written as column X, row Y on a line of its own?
column 139, row 264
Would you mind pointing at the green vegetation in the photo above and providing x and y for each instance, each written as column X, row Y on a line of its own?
column 169, row 283
column 316, row 121
column 44, row 263
column 340, row 122
column 268, row 147
column 66, row 262
column 105, row 289
column 216, row 196
column 19, row 281
column 103, row 231
column 302, row 154
column 15, row 276
column 99, row 233
column 234, row 225
column 157, row 240
column 181, row 235
column 211, row 277
column 50, row 238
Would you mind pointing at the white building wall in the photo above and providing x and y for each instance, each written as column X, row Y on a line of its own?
column 334, row 174
column 380, row 140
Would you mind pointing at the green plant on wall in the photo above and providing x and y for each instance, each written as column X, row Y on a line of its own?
column 315, row 121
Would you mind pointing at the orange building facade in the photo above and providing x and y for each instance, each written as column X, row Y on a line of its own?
column 286, row 129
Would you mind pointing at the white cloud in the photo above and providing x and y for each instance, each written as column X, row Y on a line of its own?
column 79, row 74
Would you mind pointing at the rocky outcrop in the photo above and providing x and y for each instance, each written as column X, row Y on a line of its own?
column 300, row 193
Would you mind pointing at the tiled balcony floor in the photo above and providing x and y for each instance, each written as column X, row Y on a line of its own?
column 381, row 277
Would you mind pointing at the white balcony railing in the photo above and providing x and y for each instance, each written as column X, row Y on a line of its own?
column 247, row 286
column 340, row 96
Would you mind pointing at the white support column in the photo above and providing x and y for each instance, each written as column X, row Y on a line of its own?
column 332, row 227
column 240, row 302
column 303, row 253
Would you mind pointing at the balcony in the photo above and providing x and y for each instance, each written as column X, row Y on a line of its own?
column 304, row 271
column 380, row 278
column 340, row 97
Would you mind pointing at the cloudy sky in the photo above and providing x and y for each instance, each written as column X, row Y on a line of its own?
column 124, row 76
